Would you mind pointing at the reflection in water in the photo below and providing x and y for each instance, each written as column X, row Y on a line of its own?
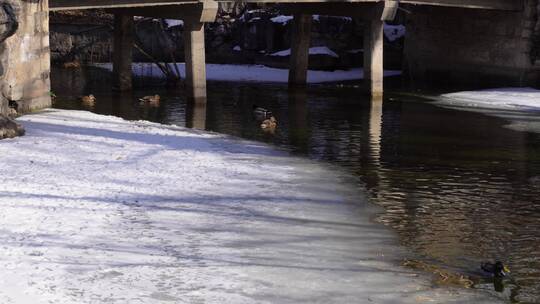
column 196, row 113
column 375, row 128
column 298, row 130
column 457, row 187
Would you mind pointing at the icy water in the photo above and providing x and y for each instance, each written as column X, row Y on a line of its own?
column 458, row 187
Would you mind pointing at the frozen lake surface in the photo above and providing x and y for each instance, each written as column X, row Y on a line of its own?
column 96, row 209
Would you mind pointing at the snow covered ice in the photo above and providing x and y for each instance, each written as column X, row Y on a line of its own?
column 520, row 106
column 96, row 209
column 250, row 73
column 318, row 50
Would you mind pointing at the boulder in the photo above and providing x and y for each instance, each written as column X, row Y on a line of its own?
column 9, row 128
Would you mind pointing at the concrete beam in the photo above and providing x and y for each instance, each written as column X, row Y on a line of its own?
column 59, row 5
column 205, row 11
column 123, row 51
column 373, row 56
column 507, row 5
column 195, row 60
column 366, row 10
column 301, row 34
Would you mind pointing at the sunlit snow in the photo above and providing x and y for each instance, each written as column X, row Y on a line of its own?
column 96, row 209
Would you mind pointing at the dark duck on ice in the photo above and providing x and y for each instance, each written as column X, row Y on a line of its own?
column 497, row 269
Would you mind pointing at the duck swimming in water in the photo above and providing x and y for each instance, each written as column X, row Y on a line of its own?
column 88, row 100
column 497, row 269
column 269, row 124
column 152, row 100
column 261, row 113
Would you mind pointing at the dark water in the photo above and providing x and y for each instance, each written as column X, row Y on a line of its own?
column 457, row 187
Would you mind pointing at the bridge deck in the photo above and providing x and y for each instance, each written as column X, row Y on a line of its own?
column 55, row 5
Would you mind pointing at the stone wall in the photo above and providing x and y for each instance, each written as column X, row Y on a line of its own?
column 475, row 48
column 25, row 57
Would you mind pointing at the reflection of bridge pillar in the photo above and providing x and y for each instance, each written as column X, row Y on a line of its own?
column 123, row 50
column 298, row 118
column 373, row 56
column 375, row 129
column 196, row 113
column 195, row 60
column 300, row 39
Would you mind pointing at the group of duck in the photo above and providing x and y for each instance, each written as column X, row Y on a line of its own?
column 151, row 100
column 268, row 121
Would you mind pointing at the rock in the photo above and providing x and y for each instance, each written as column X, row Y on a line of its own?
column 9, row 128
column 12, row 113
column 8, row 19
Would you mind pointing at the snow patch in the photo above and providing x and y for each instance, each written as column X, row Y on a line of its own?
column 520, row 106
column 394, row 32
column 319, row 50
column 317, row 18
column 250, row 73
column 174, row 22
column 282, row 19
column 355, row 51
column 521, row 99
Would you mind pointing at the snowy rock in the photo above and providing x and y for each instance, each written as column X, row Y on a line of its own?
column 9, row 128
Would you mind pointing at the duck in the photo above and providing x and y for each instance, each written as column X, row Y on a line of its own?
column 269, row 124
column 151, row 100
column 261, row 113
column 497, row 269
column 88, row 100
column 71, row 65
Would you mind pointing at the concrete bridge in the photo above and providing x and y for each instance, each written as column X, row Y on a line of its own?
column 434, row 42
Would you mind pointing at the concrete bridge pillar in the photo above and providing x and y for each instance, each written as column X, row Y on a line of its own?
column 123, row 51
column 373, row 56
column 195, row 60
column 300, row 41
